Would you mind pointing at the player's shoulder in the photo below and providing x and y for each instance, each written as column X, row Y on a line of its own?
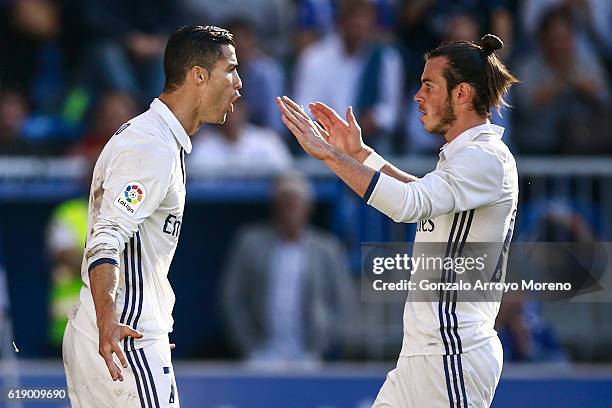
column 477, row 160
column 146, row 134
column 486, row 149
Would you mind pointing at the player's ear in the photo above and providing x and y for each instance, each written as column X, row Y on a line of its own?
column 199, row 74
column 464, row 93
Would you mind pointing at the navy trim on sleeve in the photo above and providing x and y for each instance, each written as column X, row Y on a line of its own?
column 370, row 189
column 102, row 261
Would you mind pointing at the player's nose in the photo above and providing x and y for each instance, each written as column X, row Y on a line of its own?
column 238, row 82
column 418, row 97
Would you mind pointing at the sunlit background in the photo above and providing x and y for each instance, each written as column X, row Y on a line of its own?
column 247, row 334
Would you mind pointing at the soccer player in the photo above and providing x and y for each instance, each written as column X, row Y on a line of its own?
column 451, row 355
column 119, row 330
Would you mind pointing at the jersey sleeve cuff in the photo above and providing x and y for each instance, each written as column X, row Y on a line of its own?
column 371, row 186
column 101, row 261
column 390, row 197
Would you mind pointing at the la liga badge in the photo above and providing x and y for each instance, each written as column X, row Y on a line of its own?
column 131, row 197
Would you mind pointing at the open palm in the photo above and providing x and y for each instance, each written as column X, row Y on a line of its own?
column 343, row 134
column 308, row 133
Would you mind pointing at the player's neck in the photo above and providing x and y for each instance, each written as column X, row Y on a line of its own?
column 462, row 124
column 182, row 109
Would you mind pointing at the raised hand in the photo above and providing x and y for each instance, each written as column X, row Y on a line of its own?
column 343, row 134
column 310, row 135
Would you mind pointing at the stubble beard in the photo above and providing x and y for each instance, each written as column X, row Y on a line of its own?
column 447, row 118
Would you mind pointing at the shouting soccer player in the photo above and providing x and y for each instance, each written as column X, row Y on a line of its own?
column 119, row 330
column 451, row 355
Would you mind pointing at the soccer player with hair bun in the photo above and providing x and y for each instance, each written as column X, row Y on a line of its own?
column 451, row 355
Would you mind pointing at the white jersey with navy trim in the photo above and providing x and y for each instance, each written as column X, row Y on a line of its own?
column 136, row 208
column 472, row 196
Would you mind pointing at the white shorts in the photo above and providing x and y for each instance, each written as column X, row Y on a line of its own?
column 456, row 381
column 147, row 382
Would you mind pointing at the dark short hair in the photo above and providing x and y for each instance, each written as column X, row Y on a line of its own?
column 192, row 46
column 478, row 65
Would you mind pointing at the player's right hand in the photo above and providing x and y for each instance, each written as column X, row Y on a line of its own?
column 111, row 334
column 343, row 134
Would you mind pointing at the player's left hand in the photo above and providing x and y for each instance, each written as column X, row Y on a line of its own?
column 309, row 134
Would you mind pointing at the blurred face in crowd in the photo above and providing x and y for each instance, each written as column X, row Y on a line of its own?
column 462, row 27
column 435, row 103
column 37, row 19
column 115, row 109
column 357, row 26
column 13, row 113
column 558, row 42
column 219, row 88
column 244, row 38
column 292, row 210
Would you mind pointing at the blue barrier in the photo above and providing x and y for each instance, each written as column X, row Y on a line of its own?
column 205, row 386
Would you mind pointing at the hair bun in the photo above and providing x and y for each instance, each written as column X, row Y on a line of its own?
column 491, row 43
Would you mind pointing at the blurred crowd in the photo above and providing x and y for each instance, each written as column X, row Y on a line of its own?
column 73, row 71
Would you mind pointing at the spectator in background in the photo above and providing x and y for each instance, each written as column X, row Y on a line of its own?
column 66, row 234
column 564, row 96
column 417, row 34
column 238, row 146
column 314, row 20
column 13, row 116
column 287, row 288
column 126, row 40
column 262, row 77
column 31, row 55
column 423, row 24
column 351, row 68
column 317, row 18
column 592, row 18
column 525, row 335
column 33, row 62
column 113, row 110
column 270, row 19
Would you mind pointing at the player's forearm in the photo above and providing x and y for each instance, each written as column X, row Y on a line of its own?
column 355, row 174
column 391, row 170
column 104, row 279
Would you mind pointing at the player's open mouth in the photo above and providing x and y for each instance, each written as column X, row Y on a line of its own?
column 230, row 108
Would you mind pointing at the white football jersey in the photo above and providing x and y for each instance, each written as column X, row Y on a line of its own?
column 136, row 208
column 471, row 197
